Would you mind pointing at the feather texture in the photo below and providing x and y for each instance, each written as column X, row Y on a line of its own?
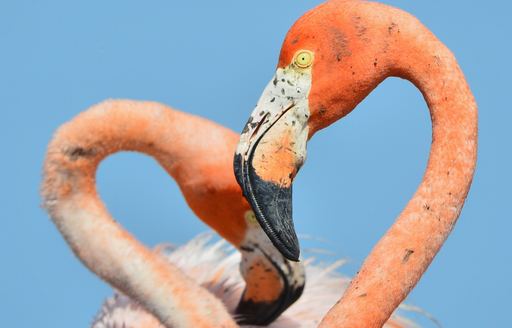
column 214, row 265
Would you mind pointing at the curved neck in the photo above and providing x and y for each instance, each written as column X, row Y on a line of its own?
column 70, row 196
column 400, row 258
column 196, row 152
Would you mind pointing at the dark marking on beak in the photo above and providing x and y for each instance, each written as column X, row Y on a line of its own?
column 272, row 205
column 249, row 312
column 264, row 313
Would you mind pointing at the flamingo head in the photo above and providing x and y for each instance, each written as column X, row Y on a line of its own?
column 326, row 67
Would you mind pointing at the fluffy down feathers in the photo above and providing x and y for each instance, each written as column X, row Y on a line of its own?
column 214, row 265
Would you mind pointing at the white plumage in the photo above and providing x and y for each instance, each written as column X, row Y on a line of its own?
column 214, row 265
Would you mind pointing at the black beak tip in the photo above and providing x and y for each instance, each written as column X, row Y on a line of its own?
column 252, row 313
column 291, row 252
column 295, row 255
column 272, row 205
column 264, row 313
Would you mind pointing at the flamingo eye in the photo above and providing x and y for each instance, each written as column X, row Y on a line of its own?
column 303, row 58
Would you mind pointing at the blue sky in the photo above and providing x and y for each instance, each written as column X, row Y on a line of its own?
column 213, row 59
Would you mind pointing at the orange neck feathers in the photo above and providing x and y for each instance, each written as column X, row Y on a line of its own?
column 332, row 58
column 369, row 42
column 70, row 196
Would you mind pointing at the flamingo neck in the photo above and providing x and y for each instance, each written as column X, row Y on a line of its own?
column 399, row 259
column 70, row 196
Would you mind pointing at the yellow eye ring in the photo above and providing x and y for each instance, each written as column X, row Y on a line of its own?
column 303, row 58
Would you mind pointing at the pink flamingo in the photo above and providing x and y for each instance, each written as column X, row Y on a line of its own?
column 197, row 153
column 331, row 59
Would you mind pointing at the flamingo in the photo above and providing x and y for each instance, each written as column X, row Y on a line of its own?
column 215, row 268
column 197, row 153
column 331, row 59
column 182, row 288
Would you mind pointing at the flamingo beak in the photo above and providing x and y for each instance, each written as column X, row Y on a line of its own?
column 271, row 150
column 273, row 283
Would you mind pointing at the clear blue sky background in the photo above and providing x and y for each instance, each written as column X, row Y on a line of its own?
column 213, row 58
